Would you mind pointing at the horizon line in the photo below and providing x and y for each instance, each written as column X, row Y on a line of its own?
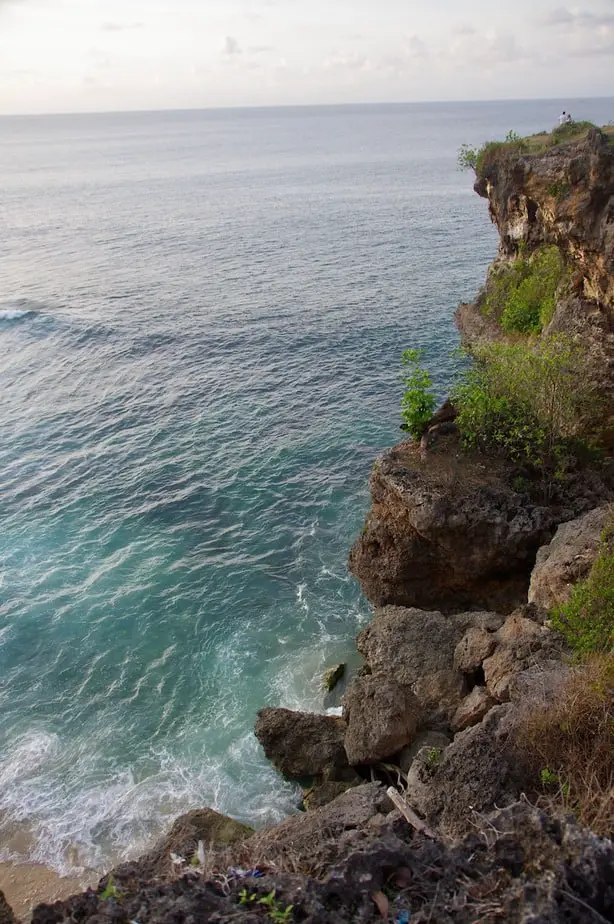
column 338, row 105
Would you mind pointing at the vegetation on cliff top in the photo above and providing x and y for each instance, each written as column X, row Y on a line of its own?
column 475, row 158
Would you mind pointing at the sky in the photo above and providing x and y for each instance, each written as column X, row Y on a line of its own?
column 97, row 55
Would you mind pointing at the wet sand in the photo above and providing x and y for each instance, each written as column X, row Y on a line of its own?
column 27, row 886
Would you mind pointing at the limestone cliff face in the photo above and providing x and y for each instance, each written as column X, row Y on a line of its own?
column 563, row 196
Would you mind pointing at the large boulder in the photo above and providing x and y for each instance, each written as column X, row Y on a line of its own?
column 382, row 718
column 301, row 836
column 450, row 532
column 567, row 559
column 521, row 642
column 302, row 745
column 206, row 825
column 417, row 649
column 471, row 775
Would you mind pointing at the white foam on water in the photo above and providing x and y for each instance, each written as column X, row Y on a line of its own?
column 86, row 820
column 12, row 314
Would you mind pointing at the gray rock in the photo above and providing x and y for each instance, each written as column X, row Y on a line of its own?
column 301, row 744
column 474, row 647
column 473, row 709
column 474, row 773
column 567, row 559
column 429, row 739
column 382, row 717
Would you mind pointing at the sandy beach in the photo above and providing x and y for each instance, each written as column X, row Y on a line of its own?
column 26, row 886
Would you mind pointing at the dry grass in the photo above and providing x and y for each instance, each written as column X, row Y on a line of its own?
column 567, row 745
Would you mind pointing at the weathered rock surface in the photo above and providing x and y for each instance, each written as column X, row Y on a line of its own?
column 301, row 744
column 432, row 740
column 567, row 559
column 521, row 642
column 206, row 825
column 306, row 837
column 473, row 709
column 6, row 912
column 475, row 646
column 516, row 866
column 449, row 533
column 417, row 649
column 382, row 717
column 473, row 774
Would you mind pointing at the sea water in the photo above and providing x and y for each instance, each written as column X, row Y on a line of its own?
column 202, row 316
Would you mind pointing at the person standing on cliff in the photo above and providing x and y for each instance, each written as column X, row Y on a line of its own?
column 563, row 118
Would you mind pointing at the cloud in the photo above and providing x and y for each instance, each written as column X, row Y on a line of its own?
column 463, row 28
column 120, row 26
column 561, row 16
column 231, row 47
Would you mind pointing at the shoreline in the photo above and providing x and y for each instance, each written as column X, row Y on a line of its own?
column 26, row 885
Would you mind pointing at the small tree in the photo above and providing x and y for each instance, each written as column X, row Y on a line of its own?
column 418, row 401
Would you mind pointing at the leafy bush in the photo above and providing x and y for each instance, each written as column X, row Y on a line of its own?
column 532, row 403
column 566, row 743
column 522, row 295
column 418, row 401
column 471, row 158
column 587, row 621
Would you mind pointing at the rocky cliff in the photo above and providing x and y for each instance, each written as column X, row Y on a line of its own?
column 562, row 196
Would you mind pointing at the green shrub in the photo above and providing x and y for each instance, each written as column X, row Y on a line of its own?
column 418, row 401
column 522, row 295
column 471, row 158
column 533, row 404
column 569, row 130
column 587, row 621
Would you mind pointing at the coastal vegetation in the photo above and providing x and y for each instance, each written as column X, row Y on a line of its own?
column 568, row 744
column 522, row 295
column 474, row 158
column 418, row 401
column 587, row 620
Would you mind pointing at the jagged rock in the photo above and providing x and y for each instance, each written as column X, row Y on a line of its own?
column 473, row 709
column 382, row 717
column 518, row 865
column 474, row 647
column 307, row 837
column 539, row 683
column 433, row 740
column 333, row 676
column 449, row 533
column 6, row 912
column 206, row 825
column 302, row 744
column 417, row 648
column 520, row 642
column 325, row 792
column 473, row 774
column 567, row 559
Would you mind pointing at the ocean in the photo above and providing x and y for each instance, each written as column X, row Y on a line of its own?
column 202, row 316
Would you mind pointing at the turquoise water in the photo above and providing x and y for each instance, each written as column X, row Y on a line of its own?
column 201, row 319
